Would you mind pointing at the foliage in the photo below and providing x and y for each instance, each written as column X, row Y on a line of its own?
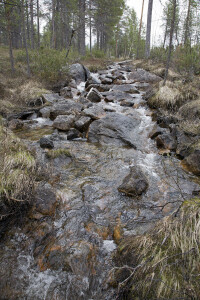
column 46, row 64
column 158, row 54
column 167, row 260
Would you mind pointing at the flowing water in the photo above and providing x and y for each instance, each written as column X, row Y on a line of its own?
column 69, row 255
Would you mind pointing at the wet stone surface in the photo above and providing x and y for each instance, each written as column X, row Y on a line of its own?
column 64, row 247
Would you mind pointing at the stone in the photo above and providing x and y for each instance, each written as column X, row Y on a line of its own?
column 65, row 107
column 184, row 143
column 192, row 162
column 73, row 133
column 135, row 184
column 127, row 103
column 36, row 102
column 66, row 92
column 83, row 123
column 15, row 124
column 45, row 112
column 24, row 115
column 92, row 80
column 64, row 123
column 143, row 76
column 94, row 95
column 127, row 88
column 115, row 129
column 155, row 132
column 45, row 200
column 79, row 73
column 118, row 75
column 166, row 141
column 99, row 87
column 46, row 143
column 105, row 80
column 51, row 98
column 115, row 95
column 95, row 112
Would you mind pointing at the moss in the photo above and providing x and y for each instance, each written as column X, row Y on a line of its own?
column 57, row 153
column 34, row 134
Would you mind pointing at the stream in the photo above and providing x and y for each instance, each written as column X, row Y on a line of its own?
column 68, row 253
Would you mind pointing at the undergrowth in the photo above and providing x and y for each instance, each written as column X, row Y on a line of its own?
column 17, row 173
column 166, row 261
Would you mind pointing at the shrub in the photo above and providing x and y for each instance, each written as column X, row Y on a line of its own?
column 158, row 54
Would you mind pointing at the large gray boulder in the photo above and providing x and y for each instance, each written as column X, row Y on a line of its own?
column 144, row 76
column 94, row 95
column 83, row 123
column 116, row 95
column 126, row 88
column 79, row 73
column 115, row 129
column 95, row 112
column 64, row 123
column 134, row 184
column 66, row 107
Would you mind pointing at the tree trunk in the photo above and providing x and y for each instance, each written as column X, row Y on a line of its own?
column 148, row 33
column 186, row 37
column 8, row 21
column 81, row 30
column 170, row 41
column 90, row 24
column 38, row 24
column 140, row 28
column 25, row 40
column 32, row 25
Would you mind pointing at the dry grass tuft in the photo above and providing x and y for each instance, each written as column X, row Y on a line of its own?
column 57, row 153
column 190, row 110
column 18, row 170
column 167, row 260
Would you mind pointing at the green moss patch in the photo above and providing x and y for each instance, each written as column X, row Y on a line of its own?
column 57, row 153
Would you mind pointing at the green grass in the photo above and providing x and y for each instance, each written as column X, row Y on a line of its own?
column 57, row 153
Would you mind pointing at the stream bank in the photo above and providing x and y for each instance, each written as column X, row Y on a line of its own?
column 89, row 141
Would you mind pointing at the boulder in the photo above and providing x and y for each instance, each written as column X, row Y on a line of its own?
column 94, row 95
column 192, row 162
column 83, row 123
column 64, row 123
column 142, row 75
column 115, row 95
column 127, row 103
column 79, row 73
column 15, row 124
column 51, row 98
column 95, row 112
column 105, row 80
column 118, row 75
column 135, row 184
column 46, row 143
column 127, row 88
column 99, row 87
column 155, row 132
column 45, row 112
column 92, row 80
column 73, row 133
column 115, row 129
column 66, row 92
column 65, row 107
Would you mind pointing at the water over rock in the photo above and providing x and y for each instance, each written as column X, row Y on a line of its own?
column 114, row 129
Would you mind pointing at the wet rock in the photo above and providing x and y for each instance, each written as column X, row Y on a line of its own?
column 99, row 87
column 94, row 95
column 79, row 73
column 51, row 98
column 165, row 121
column 15, row 124
column 112, row 96
column 142, row 75
column 83, row 123
column 109, row 109
column 105, row 80
column 45, row 112
column 46, row 143
column 127, row 103
column 118, row 75
column 92, row 80
column 66, row 92
column 155, row 132
column 45, row 200
column 192, row 162
column 64, row 123
column 127, row 88
column 22, row 115
column 114, row 129
column 66, row 107
column 166, row 141
column 95, row 112
column 184, row 143
column 144, row 86
column 134, row 184
column 73, row 133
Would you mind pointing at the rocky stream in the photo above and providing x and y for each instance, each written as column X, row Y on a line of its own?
column 106, row 179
